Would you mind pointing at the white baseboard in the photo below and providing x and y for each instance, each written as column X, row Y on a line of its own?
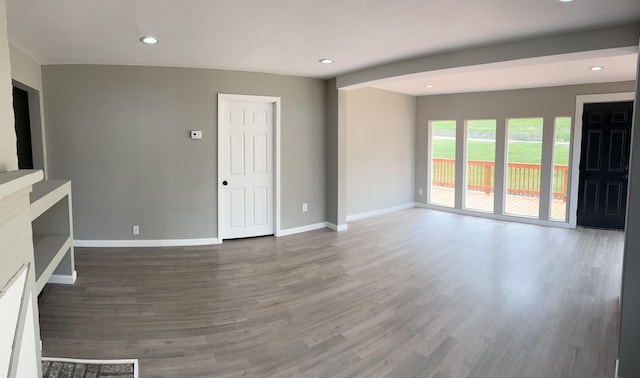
column 342, row 227
column 191, row 242
column 63, row 278
column 297, row 230
column 380, row 211
column 146, row 243
column 617, row 363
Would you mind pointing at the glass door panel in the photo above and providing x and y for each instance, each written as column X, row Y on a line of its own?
column 559, row 185
column 443, row 163
column 481, row 160
column 524, row 154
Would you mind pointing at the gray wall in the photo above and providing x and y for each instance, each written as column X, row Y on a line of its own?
column 336, row 148
column 630, row 312
column 332, row 153
column 380, row 150
column 120, row 133
column 540, row 102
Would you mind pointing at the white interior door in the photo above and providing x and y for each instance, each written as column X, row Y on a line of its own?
column 245, row 169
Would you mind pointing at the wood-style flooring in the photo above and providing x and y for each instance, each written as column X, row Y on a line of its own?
column 417, row 293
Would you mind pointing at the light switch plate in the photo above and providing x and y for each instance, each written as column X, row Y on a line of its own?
column 196, row 134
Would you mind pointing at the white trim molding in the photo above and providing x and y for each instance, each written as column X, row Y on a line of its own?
column 341, row 227
column 387, row 210
column 64, row 279
column 146, row 243
column 576, row 146
column 503, row 218
column 297, row 230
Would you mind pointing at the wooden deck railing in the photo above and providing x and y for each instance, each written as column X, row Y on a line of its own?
column 522, row 178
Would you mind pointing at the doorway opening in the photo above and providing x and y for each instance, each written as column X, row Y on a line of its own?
column 23, row 128
column 29, row 128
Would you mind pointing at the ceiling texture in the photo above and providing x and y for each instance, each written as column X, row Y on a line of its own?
column 289, row 36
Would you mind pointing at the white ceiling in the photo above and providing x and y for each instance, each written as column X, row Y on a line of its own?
column 290, row 36
column 569, row 69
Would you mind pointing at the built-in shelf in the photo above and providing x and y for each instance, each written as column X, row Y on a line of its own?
column 49, row 251
column 46, row 193
column 52, row 232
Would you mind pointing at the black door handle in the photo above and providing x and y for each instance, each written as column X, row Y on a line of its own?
column 225, row 183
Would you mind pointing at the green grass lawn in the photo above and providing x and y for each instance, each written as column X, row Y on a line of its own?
column 516, row 125
column 521, row 148
column 518, row 152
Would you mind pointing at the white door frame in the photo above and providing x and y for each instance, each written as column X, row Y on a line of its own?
column 581, row 100
column 275, row 101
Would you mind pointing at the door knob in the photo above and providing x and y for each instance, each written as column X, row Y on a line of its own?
column 225, row 183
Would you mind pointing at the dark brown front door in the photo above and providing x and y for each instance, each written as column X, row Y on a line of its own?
column 604, row 164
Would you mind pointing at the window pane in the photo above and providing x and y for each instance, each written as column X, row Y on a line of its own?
column 481, row 159
column 562, row 141
column 443, row 163
column 524, row 154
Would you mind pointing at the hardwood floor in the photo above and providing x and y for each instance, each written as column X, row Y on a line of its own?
column 417, row 293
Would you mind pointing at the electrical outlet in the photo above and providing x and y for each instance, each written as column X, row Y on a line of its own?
column 420, row 191
column 304, row 207
column 136, row 229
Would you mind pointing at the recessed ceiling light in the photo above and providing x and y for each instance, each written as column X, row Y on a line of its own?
column 428, row 86
column 564, row 1
column 596, row 68
column 149, row 40
column 326, row 61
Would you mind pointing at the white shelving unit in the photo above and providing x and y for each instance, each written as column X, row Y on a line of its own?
column 52, row 224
